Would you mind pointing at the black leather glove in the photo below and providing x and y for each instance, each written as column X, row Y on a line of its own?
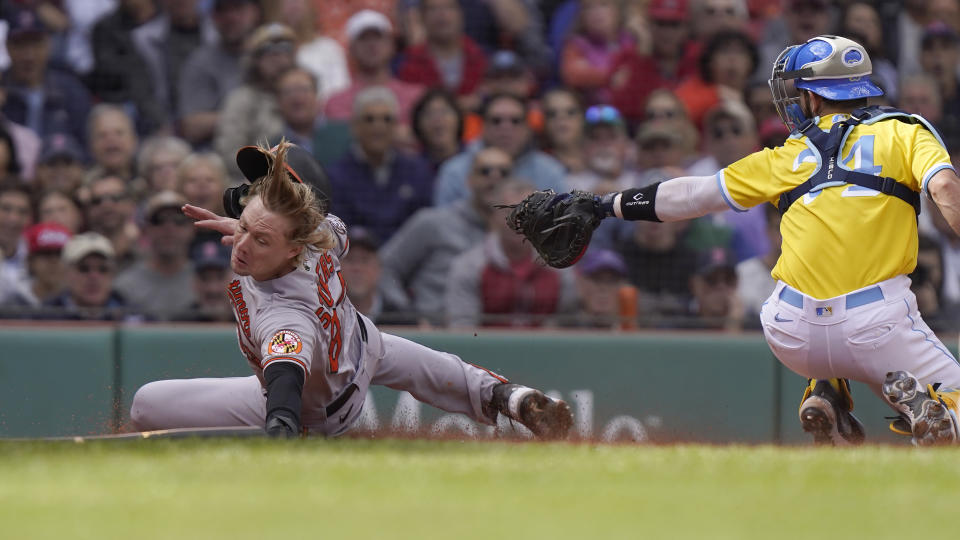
column 281, row 426
column 231, row 200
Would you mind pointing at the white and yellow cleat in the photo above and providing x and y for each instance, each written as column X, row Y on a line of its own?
column 932, row 414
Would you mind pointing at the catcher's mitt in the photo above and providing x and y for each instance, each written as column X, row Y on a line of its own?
column 558, row 225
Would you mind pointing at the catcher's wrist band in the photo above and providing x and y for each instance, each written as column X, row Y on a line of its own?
column 639, row 204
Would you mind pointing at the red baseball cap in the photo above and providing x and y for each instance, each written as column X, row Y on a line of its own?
column 667, row 10
column 48, row 237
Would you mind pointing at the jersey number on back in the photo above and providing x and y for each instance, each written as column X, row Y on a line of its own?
column 327, row 312
column 860, row 159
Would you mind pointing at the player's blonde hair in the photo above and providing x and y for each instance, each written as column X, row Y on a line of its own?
column 296, row 201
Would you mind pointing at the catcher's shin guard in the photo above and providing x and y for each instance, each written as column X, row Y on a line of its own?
column 931, row 414
column 546, row 417
column 826, row 413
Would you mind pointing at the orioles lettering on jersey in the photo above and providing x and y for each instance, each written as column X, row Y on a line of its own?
column 327, row 312
column 240, row 306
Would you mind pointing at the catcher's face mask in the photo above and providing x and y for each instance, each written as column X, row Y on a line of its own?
column 786, row 97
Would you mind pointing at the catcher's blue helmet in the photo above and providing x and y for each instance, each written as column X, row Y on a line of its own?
column 833, row 67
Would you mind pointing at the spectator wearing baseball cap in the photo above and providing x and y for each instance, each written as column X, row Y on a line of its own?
column 250, row 111
column 161, row 282
column 214, row 69
column 506, row 74
column 606, row 146
column 61, row 163
column 44, row 270
column 90, row 267
column 211, row 276
column 447, row 58
column 636, row 73
column 44, row 99
column 45, row 242
column 715, row 302
column 601, row 274
column 370, row 38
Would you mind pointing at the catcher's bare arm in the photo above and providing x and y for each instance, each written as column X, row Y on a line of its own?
column 944, row 189
column 681, row 198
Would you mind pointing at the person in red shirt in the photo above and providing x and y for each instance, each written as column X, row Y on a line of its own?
column 635, row 74
column 448, row 58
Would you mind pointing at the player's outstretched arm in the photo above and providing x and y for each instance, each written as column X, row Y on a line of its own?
column 944, row 189
column 559, row 226
column 205, row 219
column 684, row 197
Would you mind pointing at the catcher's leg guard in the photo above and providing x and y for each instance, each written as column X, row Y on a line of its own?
column 546, row 417
column 826, row 413
column 932, row 415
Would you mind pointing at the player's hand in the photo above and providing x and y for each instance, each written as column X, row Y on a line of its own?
column 205, row 219
column 280, row 426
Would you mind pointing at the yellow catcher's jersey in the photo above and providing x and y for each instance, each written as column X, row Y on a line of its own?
column 845, row 237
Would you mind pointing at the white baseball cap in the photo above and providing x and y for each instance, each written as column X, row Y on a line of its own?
column 85, row 244
column 367, row 19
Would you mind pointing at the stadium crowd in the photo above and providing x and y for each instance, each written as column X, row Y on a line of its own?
column 425, row 114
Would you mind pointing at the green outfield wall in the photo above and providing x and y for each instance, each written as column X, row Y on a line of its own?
column 656, row 387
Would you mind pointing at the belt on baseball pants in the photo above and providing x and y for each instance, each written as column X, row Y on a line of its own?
column 853, row 300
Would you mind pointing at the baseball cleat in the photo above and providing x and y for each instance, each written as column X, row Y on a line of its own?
column 825, row 413
column 930, row 419
column 546, row 417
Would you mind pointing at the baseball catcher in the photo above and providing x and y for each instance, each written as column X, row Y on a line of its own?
column 848, row 183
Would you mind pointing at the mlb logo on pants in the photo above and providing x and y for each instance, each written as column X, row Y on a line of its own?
column 824, row 311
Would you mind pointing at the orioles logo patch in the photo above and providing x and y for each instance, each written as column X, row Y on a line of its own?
column 286, row 342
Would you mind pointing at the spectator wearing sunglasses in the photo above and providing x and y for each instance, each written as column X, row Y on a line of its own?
column 416, row 261
column 505, row 127
column 89, row 267
column 729, row 133
column 161, row 283
column 563, row 128
column 637, row 72
column 376, row 184
column 109, row 209
column 606, row 145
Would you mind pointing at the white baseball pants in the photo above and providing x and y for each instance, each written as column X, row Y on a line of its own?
column 859, row 336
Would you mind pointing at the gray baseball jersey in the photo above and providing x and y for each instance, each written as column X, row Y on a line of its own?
column 306, row 318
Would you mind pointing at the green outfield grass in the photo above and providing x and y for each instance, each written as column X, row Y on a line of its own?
column 355, row 488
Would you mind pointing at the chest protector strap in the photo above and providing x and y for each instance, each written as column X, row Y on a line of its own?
column 829, row 144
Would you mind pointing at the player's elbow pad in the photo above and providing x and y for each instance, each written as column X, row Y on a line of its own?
column 284, row 382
